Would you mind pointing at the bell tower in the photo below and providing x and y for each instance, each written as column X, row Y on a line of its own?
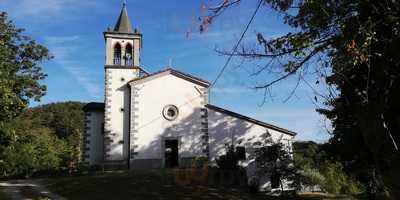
column 123, row 44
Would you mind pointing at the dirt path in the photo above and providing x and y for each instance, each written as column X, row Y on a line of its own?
column 27, row 189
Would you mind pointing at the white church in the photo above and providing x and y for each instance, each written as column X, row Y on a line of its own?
column 161, row 119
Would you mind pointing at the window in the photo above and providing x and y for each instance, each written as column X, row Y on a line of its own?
column 128, row 55
column 170, row 112
column 117, row 54
column 241, row 153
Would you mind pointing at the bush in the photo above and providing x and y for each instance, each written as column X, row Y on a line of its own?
column 32, row 149
column 311, row 177
column 44, row 138
column 337, row 181
column 229, row 161
column 199, row 162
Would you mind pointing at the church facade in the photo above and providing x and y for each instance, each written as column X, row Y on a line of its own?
column 161, row 119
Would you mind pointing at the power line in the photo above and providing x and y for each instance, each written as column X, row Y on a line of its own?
column 237, row 44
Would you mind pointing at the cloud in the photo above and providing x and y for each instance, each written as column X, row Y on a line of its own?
column 56, row 40
column 64, row 49
column 47, row 8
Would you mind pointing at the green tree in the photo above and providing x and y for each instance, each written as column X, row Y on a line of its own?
column 20, row 70
column 43, row 138
column 20, row 75
column 66, row 121
column 32, row 148
column 352, row 45
column 317, row 167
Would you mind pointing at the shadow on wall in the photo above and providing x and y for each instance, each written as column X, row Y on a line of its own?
column 191, row 138
column 114, row 156
column 226, row 131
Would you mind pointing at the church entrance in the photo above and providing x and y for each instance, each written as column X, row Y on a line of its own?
column 171, row 153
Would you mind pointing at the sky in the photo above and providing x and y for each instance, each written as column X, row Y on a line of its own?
column 73, row 32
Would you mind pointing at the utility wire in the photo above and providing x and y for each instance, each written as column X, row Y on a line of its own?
column 237, row 44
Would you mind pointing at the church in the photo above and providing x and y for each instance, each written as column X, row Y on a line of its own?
column 161, row 119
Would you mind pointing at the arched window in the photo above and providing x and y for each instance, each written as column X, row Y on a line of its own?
column 117, row 54
column 128, row 55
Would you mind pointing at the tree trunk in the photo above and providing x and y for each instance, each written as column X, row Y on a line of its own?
column 380, row 143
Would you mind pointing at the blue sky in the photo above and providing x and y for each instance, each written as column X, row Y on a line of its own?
column 72, row 30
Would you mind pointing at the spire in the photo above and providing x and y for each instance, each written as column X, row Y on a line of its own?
column 123, row 24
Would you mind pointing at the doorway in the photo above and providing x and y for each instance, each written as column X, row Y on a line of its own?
column 171, row 153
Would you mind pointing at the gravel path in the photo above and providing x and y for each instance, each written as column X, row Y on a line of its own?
column 27, row 189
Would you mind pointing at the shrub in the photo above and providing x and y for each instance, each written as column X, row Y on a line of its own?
column 199, row 162
column 337, row 181
column 229, row 161
column 311, row 177
column 32, row 150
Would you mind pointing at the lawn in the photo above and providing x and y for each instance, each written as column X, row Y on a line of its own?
column 160, row 184
column 3, row 196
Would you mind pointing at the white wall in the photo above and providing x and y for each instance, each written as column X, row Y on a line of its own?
column 226, row 130
column 151, row 126
column 117, row 120
column 94, row 126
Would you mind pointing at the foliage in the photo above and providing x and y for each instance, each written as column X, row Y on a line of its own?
column 272, row 158
column 199, row 162
column 66, row 121
column 230, row 160
column 44, row 138
column 352, row 46
column 336, row 181
column 31, row 149
column 310, row 177
column 24, row 147
column 317, row 169
column 20, row 70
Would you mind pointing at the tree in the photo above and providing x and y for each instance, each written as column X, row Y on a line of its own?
column 66, row 121
column 20, row 70
column 32, row 148
column 20, row 73
column 43, row 139
column 272, row 158
column 353, row 47
column 319, row 169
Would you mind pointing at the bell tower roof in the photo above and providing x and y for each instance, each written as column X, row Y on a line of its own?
column 123, row 24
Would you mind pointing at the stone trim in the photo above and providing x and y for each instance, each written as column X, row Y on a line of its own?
column 122, row 67
column 107, row 114
column 86, row 138
column 118, row 35
column 204, row 132
column 204, row 94
column 133, row 122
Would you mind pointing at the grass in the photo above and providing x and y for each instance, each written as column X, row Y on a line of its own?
column 157, row 184
column 3, row 195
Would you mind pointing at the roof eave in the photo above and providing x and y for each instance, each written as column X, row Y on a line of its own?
column 175, row 73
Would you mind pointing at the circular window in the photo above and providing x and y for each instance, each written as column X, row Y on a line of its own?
column 170, row 112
